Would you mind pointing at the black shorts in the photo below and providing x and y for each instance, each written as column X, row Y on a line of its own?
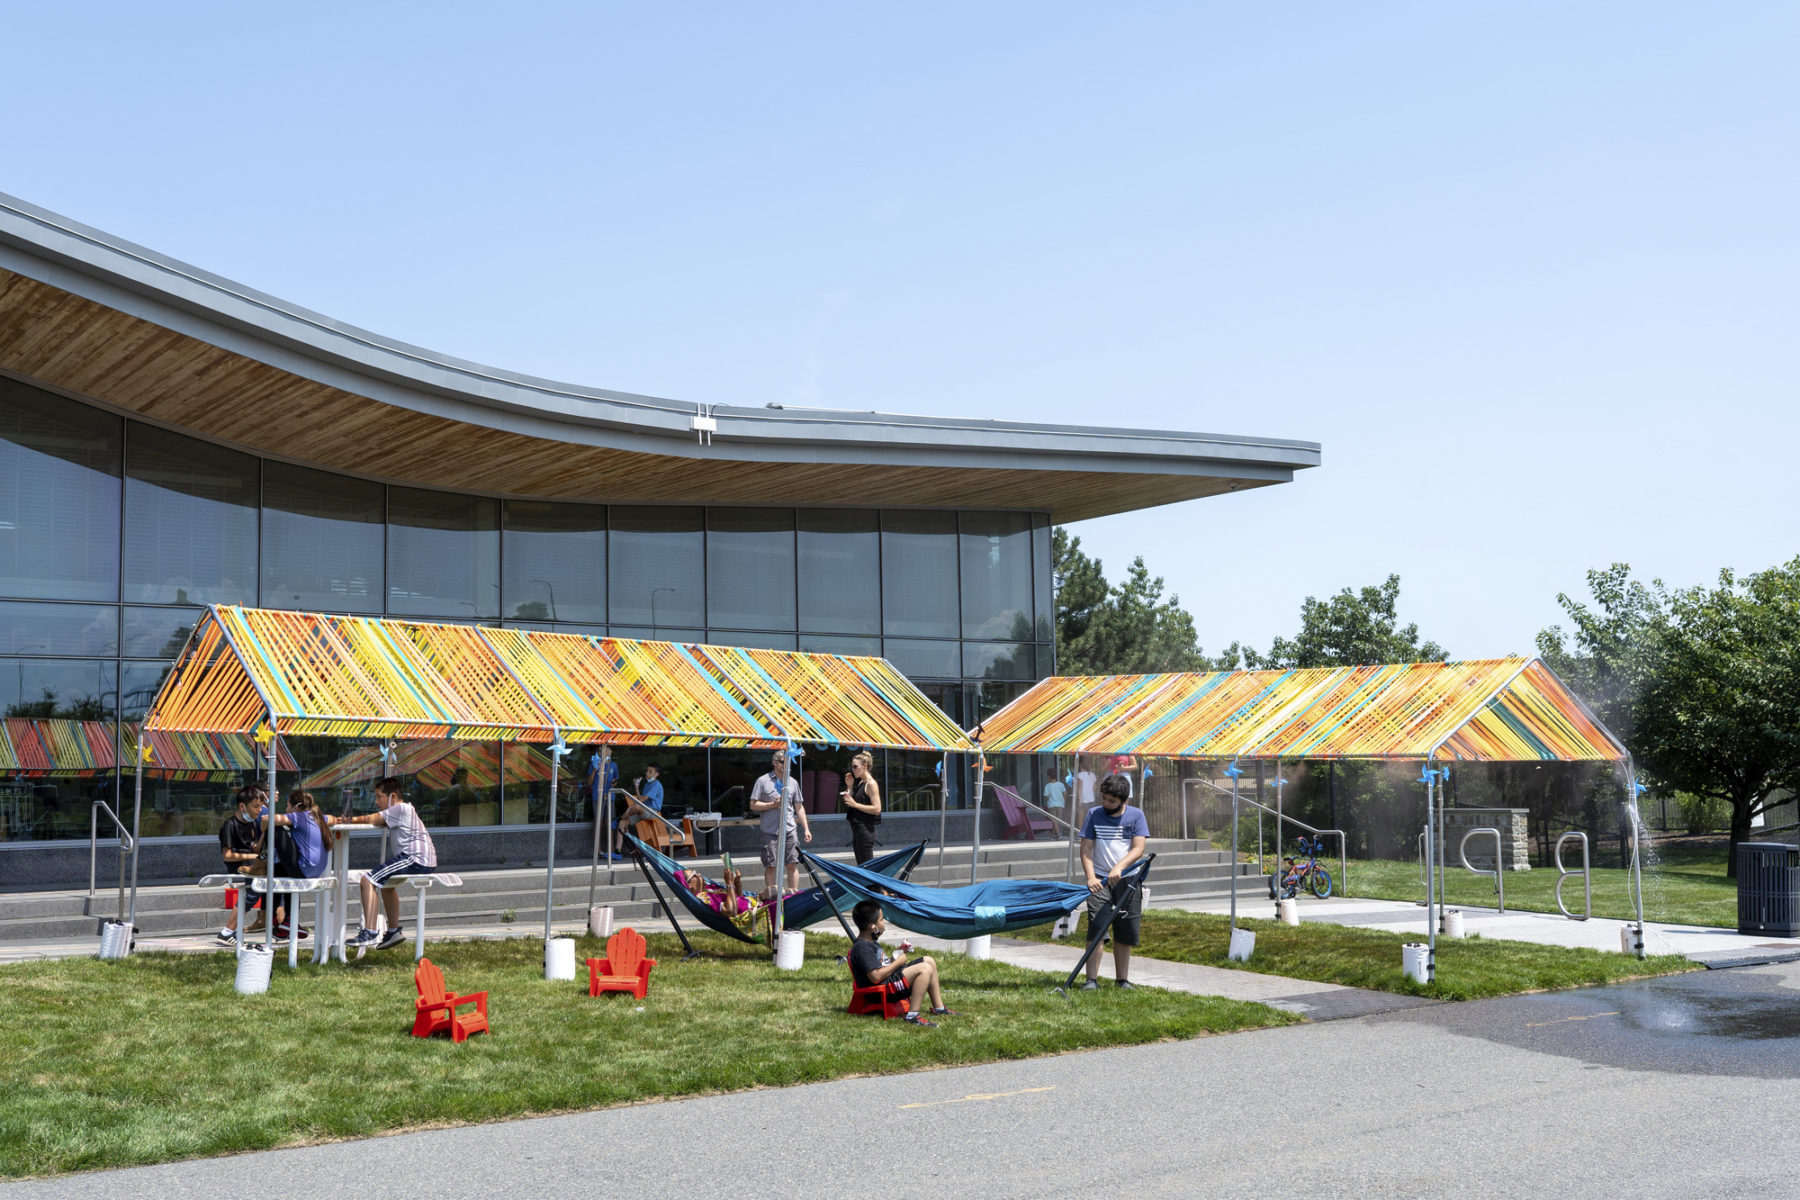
column 862, row 842
column 1127, row 924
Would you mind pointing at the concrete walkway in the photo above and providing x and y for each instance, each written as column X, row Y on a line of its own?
column 1703, row 944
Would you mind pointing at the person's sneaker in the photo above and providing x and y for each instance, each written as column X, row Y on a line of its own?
column 1092, row 985
column 1128, row 985
column 945, row 1012
column 390, row 939
column 364, row 937
column 227, row 937
column 913, row 1018
column 301, row 934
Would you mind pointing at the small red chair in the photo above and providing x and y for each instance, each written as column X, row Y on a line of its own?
column 877, row 998
column 624, row 969
column 436, row 1008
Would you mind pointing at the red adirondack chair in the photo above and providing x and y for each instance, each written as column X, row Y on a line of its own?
column 874, row 1000
column 624, row 969
column 436, row 1007
column 1021, row 822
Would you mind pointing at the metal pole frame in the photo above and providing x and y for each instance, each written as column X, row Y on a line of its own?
column 269, row 854
column 1234, row 771
column 137, row 816
column 1275, row 880
column 1428, row 777
column 794, row 755
column 594, row 862
column 980, row 783
column 943, row 811
column 558, row 749
column 1633, row 789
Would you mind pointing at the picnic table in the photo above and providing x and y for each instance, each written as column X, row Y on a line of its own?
column 331, row 893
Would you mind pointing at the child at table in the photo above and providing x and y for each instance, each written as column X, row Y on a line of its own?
column 414, row 855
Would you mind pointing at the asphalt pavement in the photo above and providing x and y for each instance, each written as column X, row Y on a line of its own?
column 1678, row 1087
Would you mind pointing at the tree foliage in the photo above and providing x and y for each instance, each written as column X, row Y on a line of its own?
column 1353, row 628
column 1702, row 684
column 1123, row 629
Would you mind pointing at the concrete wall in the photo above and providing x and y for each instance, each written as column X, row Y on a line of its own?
column 27, row 865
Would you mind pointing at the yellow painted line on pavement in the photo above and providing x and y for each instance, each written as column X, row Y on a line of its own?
column 1562, row 1020
column 979, row 1096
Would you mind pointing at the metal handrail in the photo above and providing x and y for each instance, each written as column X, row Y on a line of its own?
column 1498, row 872
column 1281, row 819
column 1563, row 873
column 126, row 846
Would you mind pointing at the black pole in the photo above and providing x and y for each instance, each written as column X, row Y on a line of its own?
column 667, row 911
column 834, row 908
column 1097, row 934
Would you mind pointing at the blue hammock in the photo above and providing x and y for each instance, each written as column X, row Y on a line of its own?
column 992, row 906
column 797, row 910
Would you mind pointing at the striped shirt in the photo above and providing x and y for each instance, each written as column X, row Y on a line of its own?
column 1112, row 836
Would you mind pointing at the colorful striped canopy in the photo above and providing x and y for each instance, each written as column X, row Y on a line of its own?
column 313, row 674
column 1495, row 710
column 63, row 748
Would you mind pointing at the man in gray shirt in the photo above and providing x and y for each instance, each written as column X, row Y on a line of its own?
column 765, row 799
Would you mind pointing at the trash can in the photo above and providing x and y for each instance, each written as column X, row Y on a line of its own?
column 1768, row 888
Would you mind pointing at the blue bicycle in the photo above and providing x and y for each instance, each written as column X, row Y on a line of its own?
column 1297, row 873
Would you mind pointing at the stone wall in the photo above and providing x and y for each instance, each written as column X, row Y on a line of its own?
column 1515, row 839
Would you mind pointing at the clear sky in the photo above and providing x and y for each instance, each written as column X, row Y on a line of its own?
column 1528, row 272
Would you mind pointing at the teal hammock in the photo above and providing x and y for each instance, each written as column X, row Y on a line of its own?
column 798, row 910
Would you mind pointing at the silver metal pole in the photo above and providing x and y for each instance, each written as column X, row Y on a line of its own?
column 943, row 812
column 269, row 853
column 1632, row 790
column 980, row 783
column 594, row 861
column 1279, row 782
column 1443, row 842
column 794, row 755
column 137, row 816
column 1184, row 813
column 1234, row 771
column 1074, row 815
column 557, row 750
column 1431, row 895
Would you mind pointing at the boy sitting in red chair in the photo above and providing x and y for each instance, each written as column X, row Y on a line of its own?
column 900, row 978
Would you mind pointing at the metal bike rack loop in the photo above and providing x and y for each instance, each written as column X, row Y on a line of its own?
column 1563, row 873
column 1499, row 871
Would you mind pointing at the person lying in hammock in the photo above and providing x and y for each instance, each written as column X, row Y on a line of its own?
column 752, row 914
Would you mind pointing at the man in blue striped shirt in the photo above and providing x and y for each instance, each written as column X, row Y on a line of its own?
column 1112, row 838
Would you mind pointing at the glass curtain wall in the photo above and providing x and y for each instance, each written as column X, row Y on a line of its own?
column 114, row 533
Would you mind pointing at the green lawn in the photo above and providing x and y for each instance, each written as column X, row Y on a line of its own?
column 155, row 1058
column 1469, row 969
column 1685, row 886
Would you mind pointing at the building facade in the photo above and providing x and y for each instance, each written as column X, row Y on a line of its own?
column 169, row 439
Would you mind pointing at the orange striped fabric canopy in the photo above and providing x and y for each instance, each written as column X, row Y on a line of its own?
column 1493, row 710
column 246, row 669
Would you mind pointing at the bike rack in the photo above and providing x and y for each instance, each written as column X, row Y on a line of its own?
column 1499, row 871
column 1563, row 873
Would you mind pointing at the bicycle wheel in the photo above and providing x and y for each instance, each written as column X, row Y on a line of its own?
column 1319, row 883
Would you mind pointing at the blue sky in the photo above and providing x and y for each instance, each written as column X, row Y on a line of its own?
column 1526, row 271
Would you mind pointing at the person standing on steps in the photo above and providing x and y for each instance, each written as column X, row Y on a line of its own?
column 1112, row 838
column 862, row 799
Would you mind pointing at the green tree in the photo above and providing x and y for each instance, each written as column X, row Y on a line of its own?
column 1351, row 629
column 1702, row 684
column 1128, row 629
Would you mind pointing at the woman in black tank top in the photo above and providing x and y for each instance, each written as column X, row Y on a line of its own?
column 862, row 803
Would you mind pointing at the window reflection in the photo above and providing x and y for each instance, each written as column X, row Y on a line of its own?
column 996, row 576
column 840, row 571
column 322, row 539
column 1004, row 660
column 59, row 497
column 918, row 569
column 65, row 689
column 750, row 568
column 190, row 520
column 81, row 630
column 658, row 569
column 1044, row 586
column 927, row 660
column 443, row 554
column 158, row 632
column 555, row 561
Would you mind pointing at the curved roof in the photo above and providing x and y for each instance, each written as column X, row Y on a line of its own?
column 102, row 318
